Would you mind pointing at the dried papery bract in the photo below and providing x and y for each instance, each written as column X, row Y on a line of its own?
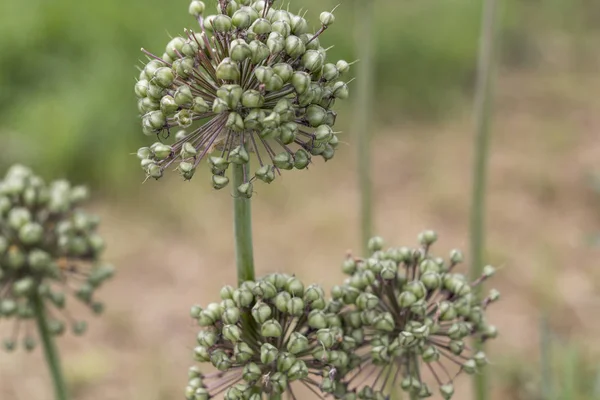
column 412, row 314
column 266, row 338
column 251, row 79
column 49, row 249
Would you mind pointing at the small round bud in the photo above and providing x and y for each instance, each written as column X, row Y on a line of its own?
column 327, row 18
column 196, row 8
column 427, row 238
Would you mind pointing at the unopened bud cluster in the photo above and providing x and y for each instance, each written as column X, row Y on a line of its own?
column 266, row 335
column 412, row 312
column 48, row 249
column 253, row 79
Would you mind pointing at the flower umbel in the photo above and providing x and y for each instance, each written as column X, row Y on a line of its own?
column 253, row 79
column 48, row 249
column 412, row 312
column 265, row 336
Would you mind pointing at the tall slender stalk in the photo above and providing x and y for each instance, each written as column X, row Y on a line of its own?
column 50, row 352
column 242, row 220
column 364, row 44
column 483, row 114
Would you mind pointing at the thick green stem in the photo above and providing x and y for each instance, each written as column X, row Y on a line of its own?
column 364, row 103
column 242, row 220
column 52, row 358
column 483, row 112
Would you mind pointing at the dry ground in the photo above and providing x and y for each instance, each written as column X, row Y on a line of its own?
column 174, row 247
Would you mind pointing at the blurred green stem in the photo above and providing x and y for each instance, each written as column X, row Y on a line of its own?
column 483, row 113
column 52, row 358
column 364, row 46
column 242, row 219
column 545, row 358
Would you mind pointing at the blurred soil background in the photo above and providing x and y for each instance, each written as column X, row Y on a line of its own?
column 67, row 108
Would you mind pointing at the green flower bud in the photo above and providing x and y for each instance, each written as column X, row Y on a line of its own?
column 206, row 338
column 242, row 352
column 330, row 72
column 447, row 391
column 327, row 18
column 23, row 287
column 18, row 217
column 163, row 77
column 312, row 60
column 284, row 70
column 431, row 354
column 488, row 271
column 184, row 67
column 301, row 159
column 141, row 88
column 173, row 47
column 266, row 173
column 196, row 8
column 299, row 25
column 254, row 119
column 326, row 338
column 456, row 256
column 235, row 122
column 260, row 51
column 239, row 155
column 221, row 23
column 295, row 306
column 298, row 370
column 228, row 70
column 268, row 353
column 384, row 322
column 261, row 312
column 183, row 96
column 294, row 46
column 219, row 182
column 295, row 287
column 285, row 361
column 297, row 343
column 231, row 315
column 31, row 233
column 407, row 339
column 241, row 20
column 271, row 328
column 251, row 372
column 261, row 26
column 275, row 42
column 281, row 27
column 220, row 361
column 252, row 99
column 232, row 333
column 315, row 115
column 342, row 66
column 367, row 301
column 446, row 311
column 406, row 299
column 456, row 347
column 281, row 301
column 427, row 238
column 340, row 90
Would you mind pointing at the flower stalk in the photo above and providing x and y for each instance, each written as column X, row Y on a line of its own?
column 50, row 352
column 483, row 116
column 242, row 215
column 364, row 46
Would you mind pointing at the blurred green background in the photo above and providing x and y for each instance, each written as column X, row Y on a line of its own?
column 67, row 108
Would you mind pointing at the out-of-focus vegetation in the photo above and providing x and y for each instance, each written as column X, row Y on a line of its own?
column 67, row 68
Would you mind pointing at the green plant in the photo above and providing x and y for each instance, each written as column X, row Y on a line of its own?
column 49, row 249
column 254, row 79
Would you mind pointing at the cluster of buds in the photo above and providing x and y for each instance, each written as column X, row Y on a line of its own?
column 48, row 249
column 265, row 336
column 411, row 311
column 253, row 79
